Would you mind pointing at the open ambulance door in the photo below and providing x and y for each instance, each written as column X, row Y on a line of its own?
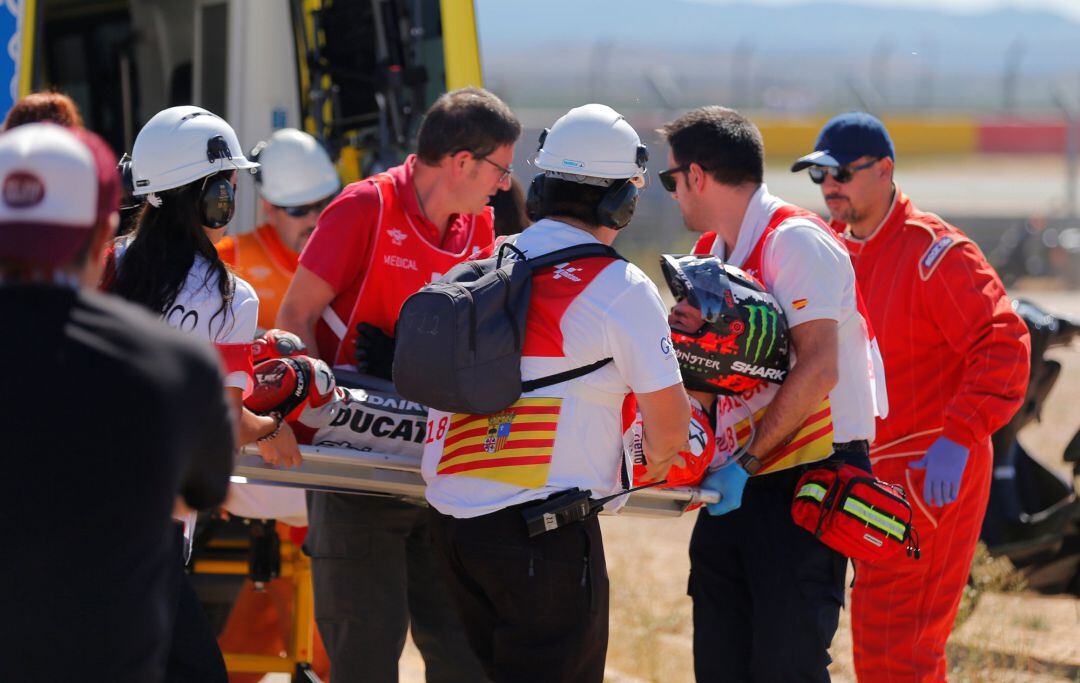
column 358, row 74
column 122, row 61
column 369, row 68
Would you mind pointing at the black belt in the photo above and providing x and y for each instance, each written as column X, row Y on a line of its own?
column 860, row 446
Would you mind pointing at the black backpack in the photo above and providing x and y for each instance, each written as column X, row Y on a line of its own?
column 459, row 339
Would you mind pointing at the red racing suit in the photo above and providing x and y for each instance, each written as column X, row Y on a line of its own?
column 956, row 358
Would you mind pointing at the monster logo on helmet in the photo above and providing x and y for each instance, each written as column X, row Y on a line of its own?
column 762, row 326
column 744, row 339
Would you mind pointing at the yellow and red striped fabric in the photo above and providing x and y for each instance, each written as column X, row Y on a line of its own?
column 513, row 446
column 813, row 441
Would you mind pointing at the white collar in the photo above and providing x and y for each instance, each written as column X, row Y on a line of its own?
column 759, row 210
column 547, row 235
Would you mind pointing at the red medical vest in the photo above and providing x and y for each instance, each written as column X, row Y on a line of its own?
column 401, row 261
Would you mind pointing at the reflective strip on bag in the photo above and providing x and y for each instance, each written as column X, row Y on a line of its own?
column 812, row 490
column 880, row 521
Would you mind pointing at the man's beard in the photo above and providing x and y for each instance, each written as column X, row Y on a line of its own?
column 847, row 214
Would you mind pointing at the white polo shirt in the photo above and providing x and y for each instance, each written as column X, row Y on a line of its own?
column 809, row 273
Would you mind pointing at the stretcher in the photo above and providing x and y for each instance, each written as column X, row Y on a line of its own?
column 360, row 438
column 346, row 470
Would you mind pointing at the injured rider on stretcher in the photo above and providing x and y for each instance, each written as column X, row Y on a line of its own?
column 304, row 391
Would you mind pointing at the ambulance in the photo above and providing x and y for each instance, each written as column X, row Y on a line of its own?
column 357, row 74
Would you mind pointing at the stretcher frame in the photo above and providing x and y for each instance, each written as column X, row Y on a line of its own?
column 350, row 471
column 300, row 643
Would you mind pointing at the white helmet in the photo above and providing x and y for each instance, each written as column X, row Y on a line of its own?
column 593, row 141
column 179, row 145
column 295, row 169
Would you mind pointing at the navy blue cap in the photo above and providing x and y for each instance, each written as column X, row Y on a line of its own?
column 846, row 138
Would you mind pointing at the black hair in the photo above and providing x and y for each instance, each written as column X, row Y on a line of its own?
column 510, row 214
column 162, row 250
column 570, row 199
column 720, row 140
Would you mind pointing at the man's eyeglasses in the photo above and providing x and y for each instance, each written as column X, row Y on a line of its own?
column 305, row 209
column 506, row 172
column 667, row 177
column 841, row 175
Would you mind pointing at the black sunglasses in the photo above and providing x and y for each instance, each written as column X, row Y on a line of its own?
column 841, row 175
column 305, row 209
column 667, row 177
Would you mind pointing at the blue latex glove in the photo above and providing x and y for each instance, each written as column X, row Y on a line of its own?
column 944, row 464
column 729, row 480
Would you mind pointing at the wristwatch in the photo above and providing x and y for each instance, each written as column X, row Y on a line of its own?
column 750, row 463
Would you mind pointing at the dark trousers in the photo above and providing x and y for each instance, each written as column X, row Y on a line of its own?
column 535, row 609
column 374, row 573
column 767, row 594
column 194, row 655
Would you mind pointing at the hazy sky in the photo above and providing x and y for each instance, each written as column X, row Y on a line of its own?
column 1070, row 8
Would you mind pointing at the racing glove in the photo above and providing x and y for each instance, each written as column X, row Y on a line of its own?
column 291, row 386
column 374, row 352
column 276, row 343
column 729, row 481
column 944, row 464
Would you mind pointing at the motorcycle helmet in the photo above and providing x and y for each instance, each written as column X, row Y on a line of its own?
column 743, row 341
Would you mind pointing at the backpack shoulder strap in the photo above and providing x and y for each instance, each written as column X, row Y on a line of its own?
column 574, row 253
column 560, row 377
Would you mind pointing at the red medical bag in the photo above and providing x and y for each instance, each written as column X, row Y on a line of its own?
column 855, row 513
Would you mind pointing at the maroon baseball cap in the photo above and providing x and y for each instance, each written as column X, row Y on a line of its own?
column 58, row 186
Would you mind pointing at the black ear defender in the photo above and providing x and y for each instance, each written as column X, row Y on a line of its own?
column 619, row 202
column 534, row 202
column 617, row 206
column 217, row 201
column 128, row 200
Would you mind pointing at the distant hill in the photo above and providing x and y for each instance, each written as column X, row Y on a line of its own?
column 796, row 58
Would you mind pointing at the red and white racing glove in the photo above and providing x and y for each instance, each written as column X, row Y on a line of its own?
column 276, row 344
column 295, row 388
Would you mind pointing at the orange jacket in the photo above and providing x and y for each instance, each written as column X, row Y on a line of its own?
column 263, row 260
column 956, row 354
